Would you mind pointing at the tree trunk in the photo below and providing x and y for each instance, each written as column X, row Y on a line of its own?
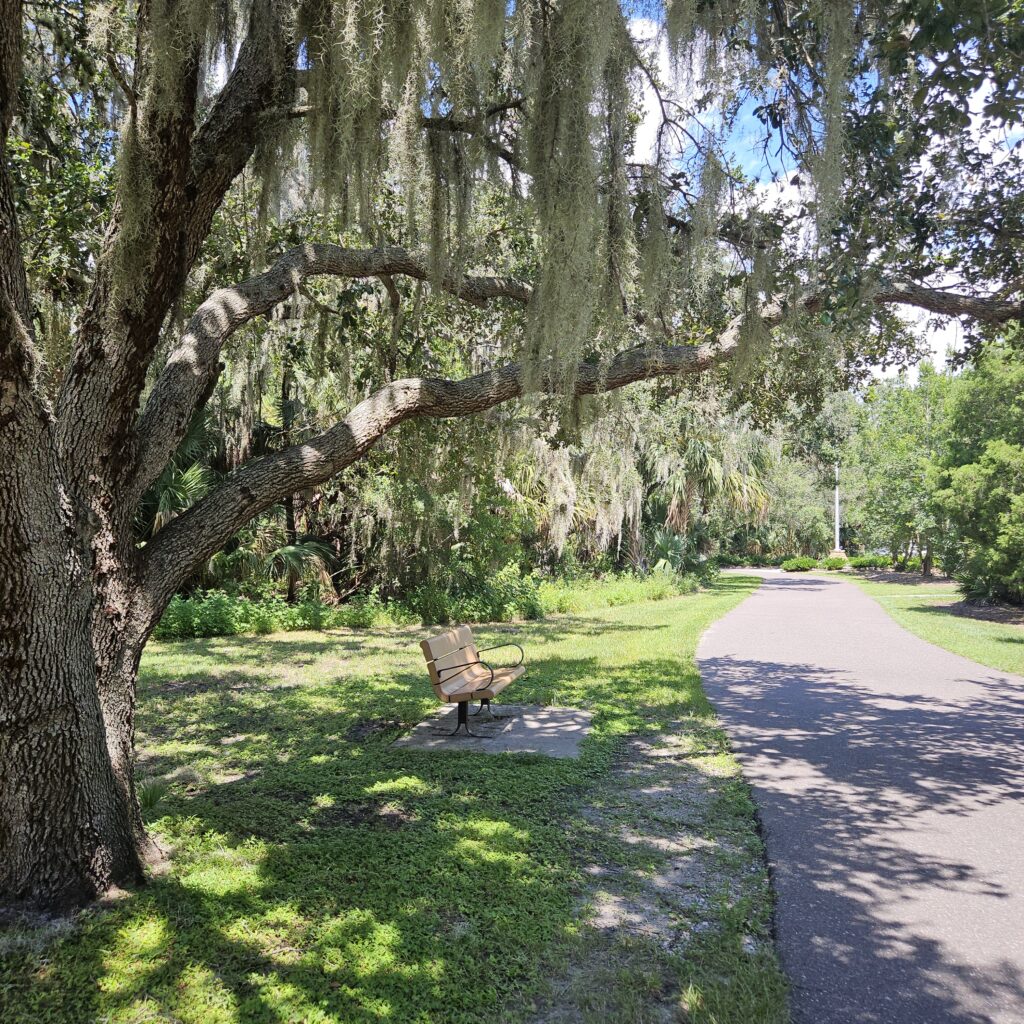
column 69, row 823
column 290, row 531
column 927, row 560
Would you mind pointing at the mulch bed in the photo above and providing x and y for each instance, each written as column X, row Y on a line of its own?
column 908, row 578
column 1004, row 613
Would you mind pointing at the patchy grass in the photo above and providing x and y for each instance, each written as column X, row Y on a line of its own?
column 923, row 608
column 321, row 874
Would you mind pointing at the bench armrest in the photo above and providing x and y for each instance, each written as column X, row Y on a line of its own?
column 498, row 647
column 489, row 681
column 464, row 664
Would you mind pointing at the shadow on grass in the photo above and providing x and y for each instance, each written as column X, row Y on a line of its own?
column 318, row 877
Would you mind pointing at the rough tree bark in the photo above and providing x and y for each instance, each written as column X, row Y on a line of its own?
column 71, row 632
column 78, row 598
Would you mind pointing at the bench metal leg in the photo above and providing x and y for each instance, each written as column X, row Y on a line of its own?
column 485, row 702
column 463, row 720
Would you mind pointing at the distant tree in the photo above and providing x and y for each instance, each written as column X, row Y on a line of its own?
column 894, row 452
column 979, row 480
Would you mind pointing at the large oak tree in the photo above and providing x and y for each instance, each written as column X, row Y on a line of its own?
column 422, row 102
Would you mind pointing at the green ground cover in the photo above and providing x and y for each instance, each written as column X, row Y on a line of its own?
column 922, row 608
column 321, row 874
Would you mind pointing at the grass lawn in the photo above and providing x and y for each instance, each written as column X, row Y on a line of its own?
column 921, row 609
column 321, row 874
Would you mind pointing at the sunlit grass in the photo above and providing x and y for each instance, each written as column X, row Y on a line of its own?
column 320, row 874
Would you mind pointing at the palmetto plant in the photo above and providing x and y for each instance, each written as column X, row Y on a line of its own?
column 184, row 482
column 708, row 459
column 304, row 558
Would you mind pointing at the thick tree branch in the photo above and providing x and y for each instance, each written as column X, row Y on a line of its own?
column 187, row 172
column 984, row 309
column 120, row 326
column 193, row 366
column 192, row 538
column 262, row 80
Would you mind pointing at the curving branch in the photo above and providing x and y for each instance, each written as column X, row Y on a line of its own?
column 187, row 542
column 193, row 367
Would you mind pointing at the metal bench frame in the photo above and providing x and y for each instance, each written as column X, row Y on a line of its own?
column 450, row 671
column 485, row 702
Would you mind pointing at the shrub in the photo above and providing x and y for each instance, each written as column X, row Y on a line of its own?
column 219, row 614
column 507, row 595
column 835, row 562
column 479, row 597
column 560, row 596
column 870, row 562
column 151, row 792
column 908, row 565
column 800, row 564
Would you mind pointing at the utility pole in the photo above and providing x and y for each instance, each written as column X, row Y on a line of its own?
column 837, row 551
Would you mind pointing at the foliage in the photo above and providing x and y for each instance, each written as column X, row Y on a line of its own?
column 151, row 792
column 587, row 595
column 980, row 480
column 870, row 562
column 901, row 431
column 934, row 472
column 802, row 564
column 834, row 562
column 218, row 614
column 505, row 595
column 907, row 563
column 986, row 501
column 510, row 596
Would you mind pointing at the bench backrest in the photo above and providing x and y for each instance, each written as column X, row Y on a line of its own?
column 445, row 652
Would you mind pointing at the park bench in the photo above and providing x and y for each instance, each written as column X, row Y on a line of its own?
column 459, row 675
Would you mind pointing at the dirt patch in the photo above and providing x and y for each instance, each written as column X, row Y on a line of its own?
column 660, row 854
column 368, row 728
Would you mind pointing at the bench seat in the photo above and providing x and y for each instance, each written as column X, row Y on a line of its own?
column 475, row 683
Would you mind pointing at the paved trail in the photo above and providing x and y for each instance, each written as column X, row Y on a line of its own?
column 890, row 779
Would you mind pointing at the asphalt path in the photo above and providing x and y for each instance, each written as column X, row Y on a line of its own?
column 888, row 776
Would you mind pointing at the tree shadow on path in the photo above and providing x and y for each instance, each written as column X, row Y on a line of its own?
column 886, row 817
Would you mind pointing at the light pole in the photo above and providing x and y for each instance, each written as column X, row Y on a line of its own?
column 837, row 551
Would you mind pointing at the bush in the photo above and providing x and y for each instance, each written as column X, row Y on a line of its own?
column 908, row 565
column 479, row 597
column 800, row 564
column 219, row 614
column 835, row 562
column 560, row 596
column 507, row 595
column 870, row 562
